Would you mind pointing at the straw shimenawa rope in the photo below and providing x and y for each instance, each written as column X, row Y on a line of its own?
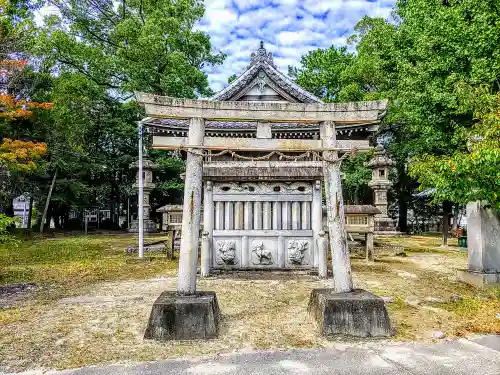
column 270, row 155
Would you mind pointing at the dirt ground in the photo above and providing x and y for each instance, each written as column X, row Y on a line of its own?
column 107, row 321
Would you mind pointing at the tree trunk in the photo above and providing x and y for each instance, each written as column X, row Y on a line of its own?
column 30, row 214
column 356, row 197
column 456, row 211
column 403, row 215
column 44, row 215
column 447, row 206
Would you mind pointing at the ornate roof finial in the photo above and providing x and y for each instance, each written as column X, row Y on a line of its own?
column 262, row 55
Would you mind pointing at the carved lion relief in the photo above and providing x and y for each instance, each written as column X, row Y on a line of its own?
column 263, row 256
column 227, row 252
column 296, row 251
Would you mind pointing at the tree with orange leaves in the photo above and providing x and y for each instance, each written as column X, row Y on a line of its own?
column 21, row 155
column 17, row 155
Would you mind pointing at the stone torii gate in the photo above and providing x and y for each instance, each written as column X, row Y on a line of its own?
column 193, row 314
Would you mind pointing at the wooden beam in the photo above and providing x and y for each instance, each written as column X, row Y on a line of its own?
column 340, row 113
column 252, row 144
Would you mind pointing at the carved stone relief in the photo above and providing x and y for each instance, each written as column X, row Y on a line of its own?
column 296, row 251
column 262, row 255
column 299, row 188
column 227, row 252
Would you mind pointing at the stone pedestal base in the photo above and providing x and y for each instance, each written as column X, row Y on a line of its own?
column 385, row 225
column 358, row 313
column 149, row 226
column 479, row 279
column 176, row 317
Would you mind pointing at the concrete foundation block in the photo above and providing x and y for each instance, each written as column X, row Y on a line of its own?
column 358, row 313
column 176, row 317
column 479, row 279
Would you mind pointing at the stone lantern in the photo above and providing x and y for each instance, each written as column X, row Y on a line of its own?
column 148, row 167
column 381, row 184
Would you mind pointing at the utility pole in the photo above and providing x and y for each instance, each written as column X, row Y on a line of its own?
column 141, row 195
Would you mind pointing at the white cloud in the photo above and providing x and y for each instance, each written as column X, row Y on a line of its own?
column 289, row 28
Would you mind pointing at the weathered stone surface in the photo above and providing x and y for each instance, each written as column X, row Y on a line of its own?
column 162, row 106
column 412, row 300
column 252, row 171
column 176, row 317
column 149, row 225
column 147, row 249
column 483, row 230
column 358, row 313
column 478, row 279
column 433, row 300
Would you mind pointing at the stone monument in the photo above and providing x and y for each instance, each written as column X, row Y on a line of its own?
column 148, row 167
column 380, row 183
column 258, row 154
column 483, row 241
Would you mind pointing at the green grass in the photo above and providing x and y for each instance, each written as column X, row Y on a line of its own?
column 71, row 262
column 477, row 315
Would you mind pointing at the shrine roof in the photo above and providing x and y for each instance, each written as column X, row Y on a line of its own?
column 279, row 83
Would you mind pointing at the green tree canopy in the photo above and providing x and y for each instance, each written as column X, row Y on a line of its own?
column 322, row 73
column 134, row 45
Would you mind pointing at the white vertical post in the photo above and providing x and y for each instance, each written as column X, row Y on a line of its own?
column 342, row 278
column 257, row 216
column 281, row 252
column 248, row 215
column 228, row 216
column 188, row 259
column 276, row 215
column 205, row 255
column 322, row 258
column 208, row 227
column 317, row 217
column 141, row 197
column 306, row 215
column 267, row 216
column 286, row 216
column 245, row 252
column 219, row 215
column 238, row 215
column 296, row 215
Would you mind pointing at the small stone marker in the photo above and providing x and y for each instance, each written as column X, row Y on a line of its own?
column 438, row 335
column 483, row 228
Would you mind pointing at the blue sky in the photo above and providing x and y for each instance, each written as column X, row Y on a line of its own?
column 289, row 28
